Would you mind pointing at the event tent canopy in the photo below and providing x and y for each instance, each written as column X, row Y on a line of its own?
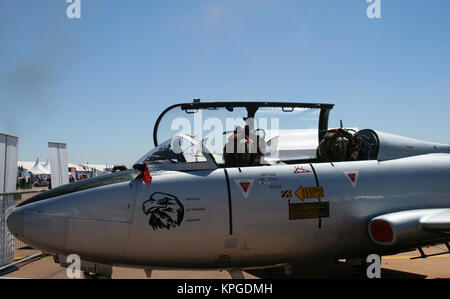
column 47, row 166
column 38, row 169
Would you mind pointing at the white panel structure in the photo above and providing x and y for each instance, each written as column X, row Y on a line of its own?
column 58, row 163
column 8, row 179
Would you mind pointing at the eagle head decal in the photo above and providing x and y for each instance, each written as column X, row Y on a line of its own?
column 165, row 211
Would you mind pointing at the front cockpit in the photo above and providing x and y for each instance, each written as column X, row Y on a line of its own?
column 179, row 153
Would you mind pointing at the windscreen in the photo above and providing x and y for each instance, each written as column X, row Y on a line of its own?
column 178, row 149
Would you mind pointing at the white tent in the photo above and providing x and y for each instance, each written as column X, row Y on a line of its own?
column 47, row 166
column 38, row 169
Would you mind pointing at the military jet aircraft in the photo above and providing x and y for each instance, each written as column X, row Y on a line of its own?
column 273, row 187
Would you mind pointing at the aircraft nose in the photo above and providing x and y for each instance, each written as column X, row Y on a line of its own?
column 29, row 225
column 15, row 222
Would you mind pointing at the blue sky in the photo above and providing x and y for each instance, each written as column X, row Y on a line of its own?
column 100, row 82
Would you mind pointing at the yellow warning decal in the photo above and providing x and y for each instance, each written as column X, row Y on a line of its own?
column 309, row 210
column 286, row 194
column 309, row 192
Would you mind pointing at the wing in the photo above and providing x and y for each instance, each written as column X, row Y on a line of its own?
column 410, row 227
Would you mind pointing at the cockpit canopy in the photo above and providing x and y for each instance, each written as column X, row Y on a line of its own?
column 181, row 152
column 242, row 133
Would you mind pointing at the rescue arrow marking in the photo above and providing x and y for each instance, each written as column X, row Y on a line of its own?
column 309, row 192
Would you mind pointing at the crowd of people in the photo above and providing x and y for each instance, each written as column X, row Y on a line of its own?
column 27, row 182
column 24, row 183
column 40, row 177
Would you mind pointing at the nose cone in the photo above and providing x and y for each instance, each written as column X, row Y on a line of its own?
column 31, row 227
column 93, row 221
column 15, row 223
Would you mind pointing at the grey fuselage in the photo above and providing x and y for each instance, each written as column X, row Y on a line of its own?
column 235, row 217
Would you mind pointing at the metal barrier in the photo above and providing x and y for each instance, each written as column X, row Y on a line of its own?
column 24, row 195
column 6, row 239
column 22, row 250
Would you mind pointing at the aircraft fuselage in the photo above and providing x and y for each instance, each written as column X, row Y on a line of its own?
column 236, row 217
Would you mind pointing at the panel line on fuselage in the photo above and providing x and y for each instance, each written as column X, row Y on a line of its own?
column 230, row 211
column 317, row 183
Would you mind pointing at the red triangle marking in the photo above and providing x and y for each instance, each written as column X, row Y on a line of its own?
column 245, row 186
column 352, row 176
